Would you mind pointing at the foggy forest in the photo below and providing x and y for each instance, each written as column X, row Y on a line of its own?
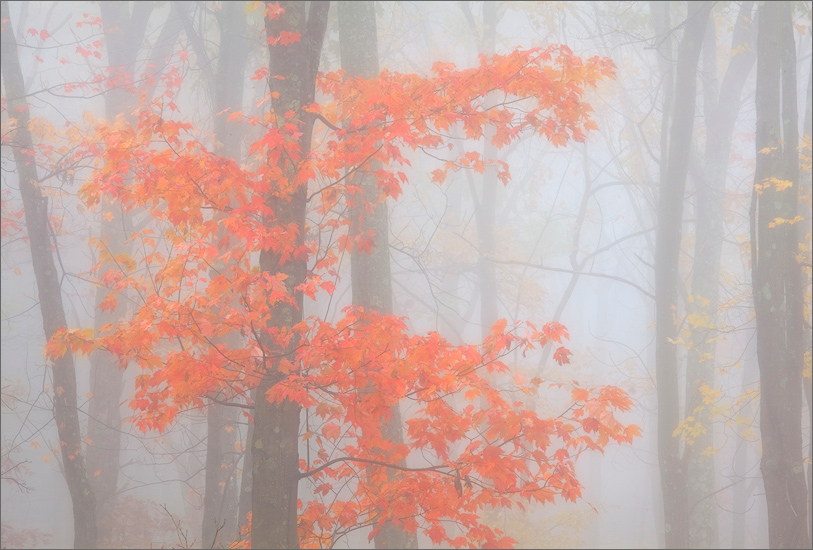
column 406, row 274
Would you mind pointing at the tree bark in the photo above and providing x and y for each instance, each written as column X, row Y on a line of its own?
column 124, row 34
column 220, row 503
column 370, row 272
column 275, row 467
column 776, row 280
column 720, row 112
column 667, row 254
column 66, row 414
column 806, row 186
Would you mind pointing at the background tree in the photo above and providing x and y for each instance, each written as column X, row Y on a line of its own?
column 66, row 413
column 667, row 253
column 721, row 105
column 370, row 269
column 777, row 285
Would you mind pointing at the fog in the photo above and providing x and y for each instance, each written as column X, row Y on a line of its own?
column 406, row 274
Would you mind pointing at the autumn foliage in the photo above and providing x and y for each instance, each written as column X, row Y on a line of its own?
column 472, row 439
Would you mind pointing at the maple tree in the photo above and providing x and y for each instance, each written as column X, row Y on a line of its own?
column 193, row 279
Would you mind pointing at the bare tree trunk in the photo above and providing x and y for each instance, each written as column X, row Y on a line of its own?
column 806, row 186
column 275, row 467
column 720, row 112
column 667, row 254
column 776, row 279
column 66, row 414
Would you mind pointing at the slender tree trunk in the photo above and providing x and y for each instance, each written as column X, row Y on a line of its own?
column 487, row 207
column 806, row 186
column 220, row 504
column 66, row 414
column 667, row 254
column 244, row 500
column 275, row 467
column 720, row 111
column 776, row 276
column 106, row 384
column 370, row 272
column 486, row 203
column 124, row 34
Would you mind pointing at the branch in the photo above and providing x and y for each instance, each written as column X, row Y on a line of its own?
column 373, row 462
column 230, row 403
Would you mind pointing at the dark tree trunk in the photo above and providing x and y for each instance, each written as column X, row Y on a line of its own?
column 66, row 414
column 667, row 254
column 370, row 272
column 776, row 276
column 275, row 467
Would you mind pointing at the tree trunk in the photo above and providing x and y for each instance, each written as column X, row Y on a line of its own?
column 220, row 503
column 66, row 414
column 370, row 272
column 124, row 34
column 806, row 186
column 667, row 254
column 487, row 207
column 721, row 111
column 776, row 279
column 275, row 467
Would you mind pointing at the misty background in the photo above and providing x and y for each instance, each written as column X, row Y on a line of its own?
column 571, row 238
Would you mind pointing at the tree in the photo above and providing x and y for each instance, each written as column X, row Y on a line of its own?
column 720, row 109
column 483, row 449
column 224, row 79
column 124, row 32
column 66, row 413
column 776, row 279
column 370, row 270
column 667, row 253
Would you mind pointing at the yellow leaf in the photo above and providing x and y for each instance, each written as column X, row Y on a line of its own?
column 35, row 444
column 46, row 458
column 126, row 262
column 780, row 221
column 97, row 473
